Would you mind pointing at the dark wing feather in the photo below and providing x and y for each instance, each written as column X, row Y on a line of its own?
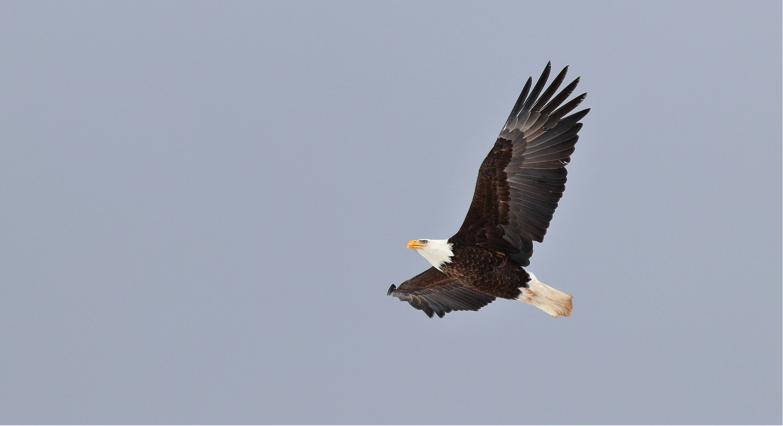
column 523, row 177
column 434, row 292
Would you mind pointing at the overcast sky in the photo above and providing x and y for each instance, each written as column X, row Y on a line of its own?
column 202, row 206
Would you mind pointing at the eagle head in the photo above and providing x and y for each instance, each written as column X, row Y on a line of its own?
column 437, row 252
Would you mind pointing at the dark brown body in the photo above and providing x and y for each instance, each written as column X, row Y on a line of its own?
column 494, row 273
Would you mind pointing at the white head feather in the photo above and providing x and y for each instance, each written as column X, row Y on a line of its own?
column 437, row 252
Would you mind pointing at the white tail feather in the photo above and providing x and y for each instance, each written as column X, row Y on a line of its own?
column 550, row 300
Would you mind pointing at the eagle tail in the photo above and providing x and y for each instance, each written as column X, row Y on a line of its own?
column 550, row 300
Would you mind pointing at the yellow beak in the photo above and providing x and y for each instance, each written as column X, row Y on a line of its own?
column 415, row 244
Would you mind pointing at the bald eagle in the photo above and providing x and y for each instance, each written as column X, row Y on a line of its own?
column 519, row 185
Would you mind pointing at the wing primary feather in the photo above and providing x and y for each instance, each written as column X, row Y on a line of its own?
column 568, row 107
column 574, row 118
column 435, row 306
column 512, row 118
column 550, row 90
column 538, row 87
column 517, row 106
column 522, row 118
column 563, row 95
column 424, row 307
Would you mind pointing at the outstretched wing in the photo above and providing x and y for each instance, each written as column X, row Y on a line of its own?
column 432, row 291
column 523, row 177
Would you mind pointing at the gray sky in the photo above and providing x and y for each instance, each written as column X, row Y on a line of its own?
column 203, row 204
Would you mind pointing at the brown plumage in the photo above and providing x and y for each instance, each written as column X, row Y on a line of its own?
column 433, row 291
column 518, row 188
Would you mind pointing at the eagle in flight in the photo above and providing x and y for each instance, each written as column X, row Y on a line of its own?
column 519, row 185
